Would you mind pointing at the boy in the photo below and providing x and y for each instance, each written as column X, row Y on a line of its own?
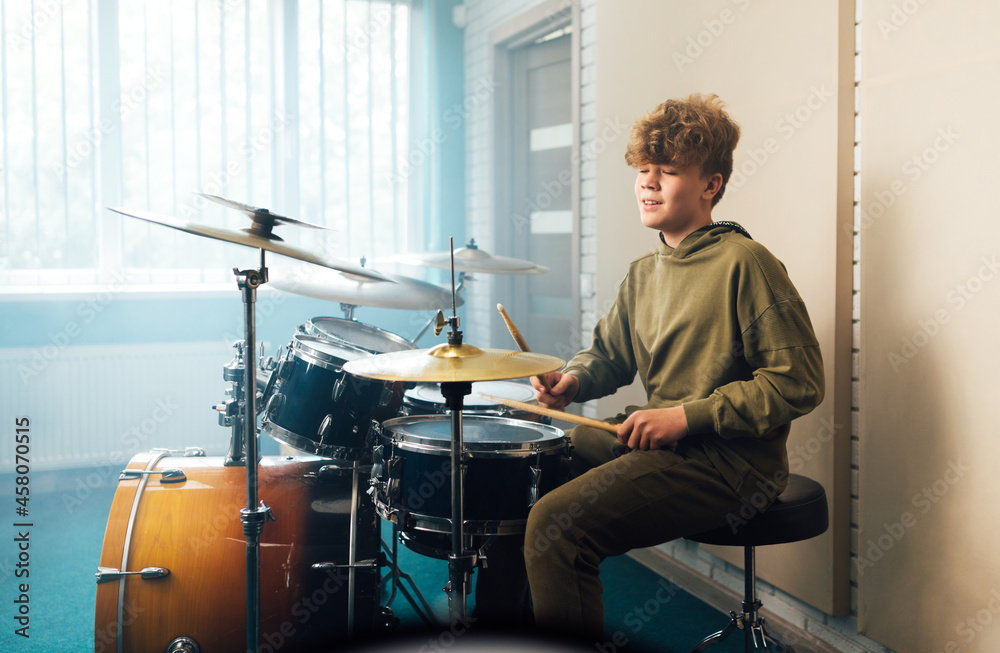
column 725, row 350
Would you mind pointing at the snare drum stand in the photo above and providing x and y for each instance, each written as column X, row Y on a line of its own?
column 253, row 516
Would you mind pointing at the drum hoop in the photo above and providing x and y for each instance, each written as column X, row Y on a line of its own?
column 553, row 438
column 127, row 543
column 369, row 329
column 300, row 349
column 302, row 443
column 431, row 524
column 485, row 450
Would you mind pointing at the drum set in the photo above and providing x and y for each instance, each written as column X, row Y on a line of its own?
column 380, row 429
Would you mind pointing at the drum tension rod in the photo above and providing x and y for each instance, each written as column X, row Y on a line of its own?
column 364, row 565
column 169, row 475
column 108, row 574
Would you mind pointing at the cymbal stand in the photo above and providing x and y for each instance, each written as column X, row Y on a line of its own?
column 462, row 278
column 253, row 516
column 460, row 561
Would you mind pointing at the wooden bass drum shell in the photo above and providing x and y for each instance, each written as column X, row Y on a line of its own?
column 193, row 529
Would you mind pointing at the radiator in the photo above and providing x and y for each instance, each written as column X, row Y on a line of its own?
column 97, row 406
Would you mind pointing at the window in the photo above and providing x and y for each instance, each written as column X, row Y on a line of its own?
column 298, row 107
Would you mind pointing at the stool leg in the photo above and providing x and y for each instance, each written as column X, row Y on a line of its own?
column 755, row 636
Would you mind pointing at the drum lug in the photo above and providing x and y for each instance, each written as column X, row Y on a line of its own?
column 274, row 405
column 378, row 456
column 284, row 369
column 109, row 574
column 169, row 475
column 338, row 389
column 183, row 645
column 536, row 480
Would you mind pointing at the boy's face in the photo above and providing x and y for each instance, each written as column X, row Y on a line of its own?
column 674, row 201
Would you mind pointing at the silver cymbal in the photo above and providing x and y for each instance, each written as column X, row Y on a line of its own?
column 472, row 259
column 263, row 220
column 258, row 240
column 396, row 291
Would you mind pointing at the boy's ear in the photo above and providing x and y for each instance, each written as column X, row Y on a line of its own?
column 712, row 185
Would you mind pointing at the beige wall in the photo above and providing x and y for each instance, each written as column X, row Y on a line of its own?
column 929, row 544
column 781, row 68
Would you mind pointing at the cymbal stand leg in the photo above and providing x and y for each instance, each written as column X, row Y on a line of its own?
column 253, row 516
column 352, row 552
column 460, row 561
column 397, row 576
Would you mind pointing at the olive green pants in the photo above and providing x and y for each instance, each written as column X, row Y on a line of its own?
column 617, row 500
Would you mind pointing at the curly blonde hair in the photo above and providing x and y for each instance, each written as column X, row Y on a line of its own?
column 680, row 133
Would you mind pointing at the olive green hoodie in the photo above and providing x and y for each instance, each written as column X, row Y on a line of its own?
column 716, row 326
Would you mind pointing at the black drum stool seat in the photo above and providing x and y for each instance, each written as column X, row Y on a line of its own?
column 799, row 513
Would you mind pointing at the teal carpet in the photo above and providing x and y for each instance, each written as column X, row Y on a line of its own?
column 643, row 611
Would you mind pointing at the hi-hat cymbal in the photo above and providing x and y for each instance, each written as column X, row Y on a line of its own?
column 396, row 291
column 268, row 242
column 453, row 363
column 472, row 259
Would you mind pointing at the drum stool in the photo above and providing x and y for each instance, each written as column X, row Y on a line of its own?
column 799, row 513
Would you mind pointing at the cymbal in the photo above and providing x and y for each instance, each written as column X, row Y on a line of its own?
column 472, row 259
column 263, row 220
column 450, row 363
column 268, row 242
column 396, row 291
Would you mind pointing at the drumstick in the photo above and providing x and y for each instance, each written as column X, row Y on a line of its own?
column 519, row 339
column 555, row 414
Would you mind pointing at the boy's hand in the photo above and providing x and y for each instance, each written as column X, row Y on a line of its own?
column 564, row 388
column 656, row 428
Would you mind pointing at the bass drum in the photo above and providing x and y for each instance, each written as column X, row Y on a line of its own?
column 182, row 515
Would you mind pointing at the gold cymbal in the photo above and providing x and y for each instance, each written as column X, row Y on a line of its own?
column 453, row 363
column 472, row 259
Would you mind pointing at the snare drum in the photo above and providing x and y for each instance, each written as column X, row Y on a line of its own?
column 312, row 405
column 426, row 399
column 183, row 515
column 509, row 465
